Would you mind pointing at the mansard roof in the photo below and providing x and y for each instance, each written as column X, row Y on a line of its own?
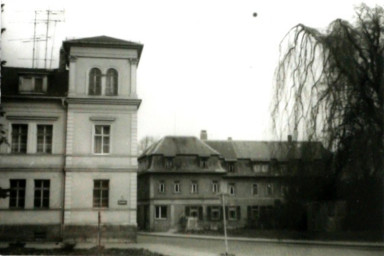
column 103, row 42
column 266, row 150
column 57, row 81
column 171, row 146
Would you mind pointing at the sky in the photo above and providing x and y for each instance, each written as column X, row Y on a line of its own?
column 206, row 64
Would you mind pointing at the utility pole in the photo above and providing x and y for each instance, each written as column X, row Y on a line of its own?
column 224, row 223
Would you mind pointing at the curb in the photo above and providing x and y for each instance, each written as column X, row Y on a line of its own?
column 267, row 240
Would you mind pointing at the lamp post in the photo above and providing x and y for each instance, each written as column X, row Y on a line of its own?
column 224, row 224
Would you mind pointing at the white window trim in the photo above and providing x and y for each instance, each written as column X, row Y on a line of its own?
column 161, row 187
column 110, row 138
column 175, row 185
column 232, row 185
column 215, row 187
column 194, row 185
column 103, row 81
column 216, row 209
column 232, row 208
column 52, row 142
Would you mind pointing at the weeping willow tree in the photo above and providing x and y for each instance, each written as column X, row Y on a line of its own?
column 330, row 88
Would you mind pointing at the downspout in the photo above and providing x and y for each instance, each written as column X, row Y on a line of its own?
column 65, row 106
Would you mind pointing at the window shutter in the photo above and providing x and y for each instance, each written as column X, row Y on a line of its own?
column 238, row 212
column 209, row 212
column 200, row 213
column 187, row 211
column 249, row 213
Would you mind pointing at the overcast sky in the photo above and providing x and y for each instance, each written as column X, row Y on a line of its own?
column 205, row 65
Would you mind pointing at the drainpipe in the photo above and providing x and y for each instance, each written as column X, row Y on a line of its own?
column 65, row 106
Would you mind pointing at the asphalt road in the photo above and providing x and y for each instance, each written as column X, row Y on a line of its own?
column 191, row 246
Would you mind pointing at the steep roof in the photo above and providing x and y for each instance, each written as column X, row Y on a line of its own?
column 171, row 146
column 266, row 150
column 57, row 81
column 104, row 42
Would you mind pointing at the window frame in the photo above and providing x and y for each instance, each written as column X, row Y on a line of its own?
column 233, row 191
column 98, row 194
column 232, row 209
column 269, row 189
column 20, row 194
column 215, row 186
column 39, row 201
column 159, row 212
column 216, row 209
column 44, row 139
column 102, row 136
column 161, row 187
column 94, row 80
column 108, row 82
column 194, row 187
column 33, row 78
column 19, row 142
column 176, row 184
column 255, row 192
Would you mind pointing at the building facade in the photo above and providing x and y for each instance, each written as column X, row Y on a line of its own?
column 71, row 161
column 178, row 179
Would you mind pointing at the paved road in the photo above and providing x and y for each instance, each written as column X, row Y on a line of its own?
column 192, row 246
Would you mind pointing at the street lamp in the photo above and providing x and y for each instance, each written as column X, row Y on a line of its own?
column 225, row 226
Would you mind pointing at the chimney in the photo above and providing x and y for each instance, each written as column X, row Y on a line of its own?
column 289, row 138
column 203, row 135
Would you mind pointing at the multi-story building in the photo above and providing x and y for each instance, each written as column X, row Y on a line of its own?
column 186, row 177
column 71, row 160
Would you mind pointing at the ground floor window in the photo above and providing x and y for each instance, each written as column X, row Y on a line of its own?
column 214, row 212
column 253, row 212
column 161, row 212
column 194, row 211
column 41, row 199
column 100, row 193
column 233, row 212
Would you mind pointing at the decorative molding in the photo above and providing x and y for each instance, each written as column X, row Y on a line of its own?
column 101, row 169
column 102, row 118
column 105, row 101
column 72, row 58
column 33, row 118
column 134, row 61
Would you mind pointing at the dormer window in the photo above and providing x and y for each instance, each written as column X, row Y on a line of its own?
column 203, row 162
column 94, row 82
column 168, row 162
column 231, row 166
column 32, row 84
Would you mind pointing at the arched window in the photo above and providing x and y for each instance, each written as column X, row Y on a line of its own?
column 94, row 82
column 112, row 77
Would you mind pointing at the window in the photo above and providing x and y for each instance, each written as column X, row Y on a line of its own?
column 213, row 212
column 176, row 187
column 254, row 189
column 44, row 138
column 17, row 194
column 231, row 167
column 233, row 212
column 204, row 162
column 101, row 139
column 112, row 84
column 194, row 211
column 215, row 186
column 253, row 212
column 32, row 84
column 257, row 168
column 168, row 162
column 161, row 187
column 269, row 189
column 100, row 193
column 231, row 189
column 194, row 187
column 161, row 212
column 19, row 138
column 41, row 194
column 283, row 190
column 94, row 82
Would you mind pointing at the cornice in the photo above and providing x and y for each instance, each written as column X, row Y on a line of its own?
column 105, row 101
column 33, row 118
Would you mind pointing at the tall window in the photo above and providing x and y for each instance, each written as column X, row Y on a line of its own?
column 44, row 138
column 176, row 187
column 100, row 193
column 194, row 187
column 41, row 193
column 269, row 189
column 19, row 138
column 101, row 139
column 231, row 189
column 231, row 166
column 215, row 186
column 160, row 212
column 17, row 194
column 254, row 189
column 112, row 78
column 94, row 87
column 161, row 187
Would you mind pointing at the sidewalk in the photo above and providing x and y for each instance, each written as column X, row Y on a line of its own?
column 267, row 240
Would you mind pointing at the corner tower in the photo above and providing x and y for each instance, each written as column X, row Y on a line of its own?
column 101, row 137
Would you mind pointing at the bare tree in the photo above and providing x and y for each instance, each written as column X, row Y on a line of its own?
column 145, row 142
column 330, row 87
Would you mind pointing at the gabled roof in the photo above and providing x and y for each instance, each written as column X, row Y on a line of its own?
column 57, row 81
column 171, row 146
column 103, row 42
column 267, row 150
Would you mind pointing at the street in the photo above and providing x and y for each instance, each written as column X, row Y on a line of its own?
column 175, row 246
